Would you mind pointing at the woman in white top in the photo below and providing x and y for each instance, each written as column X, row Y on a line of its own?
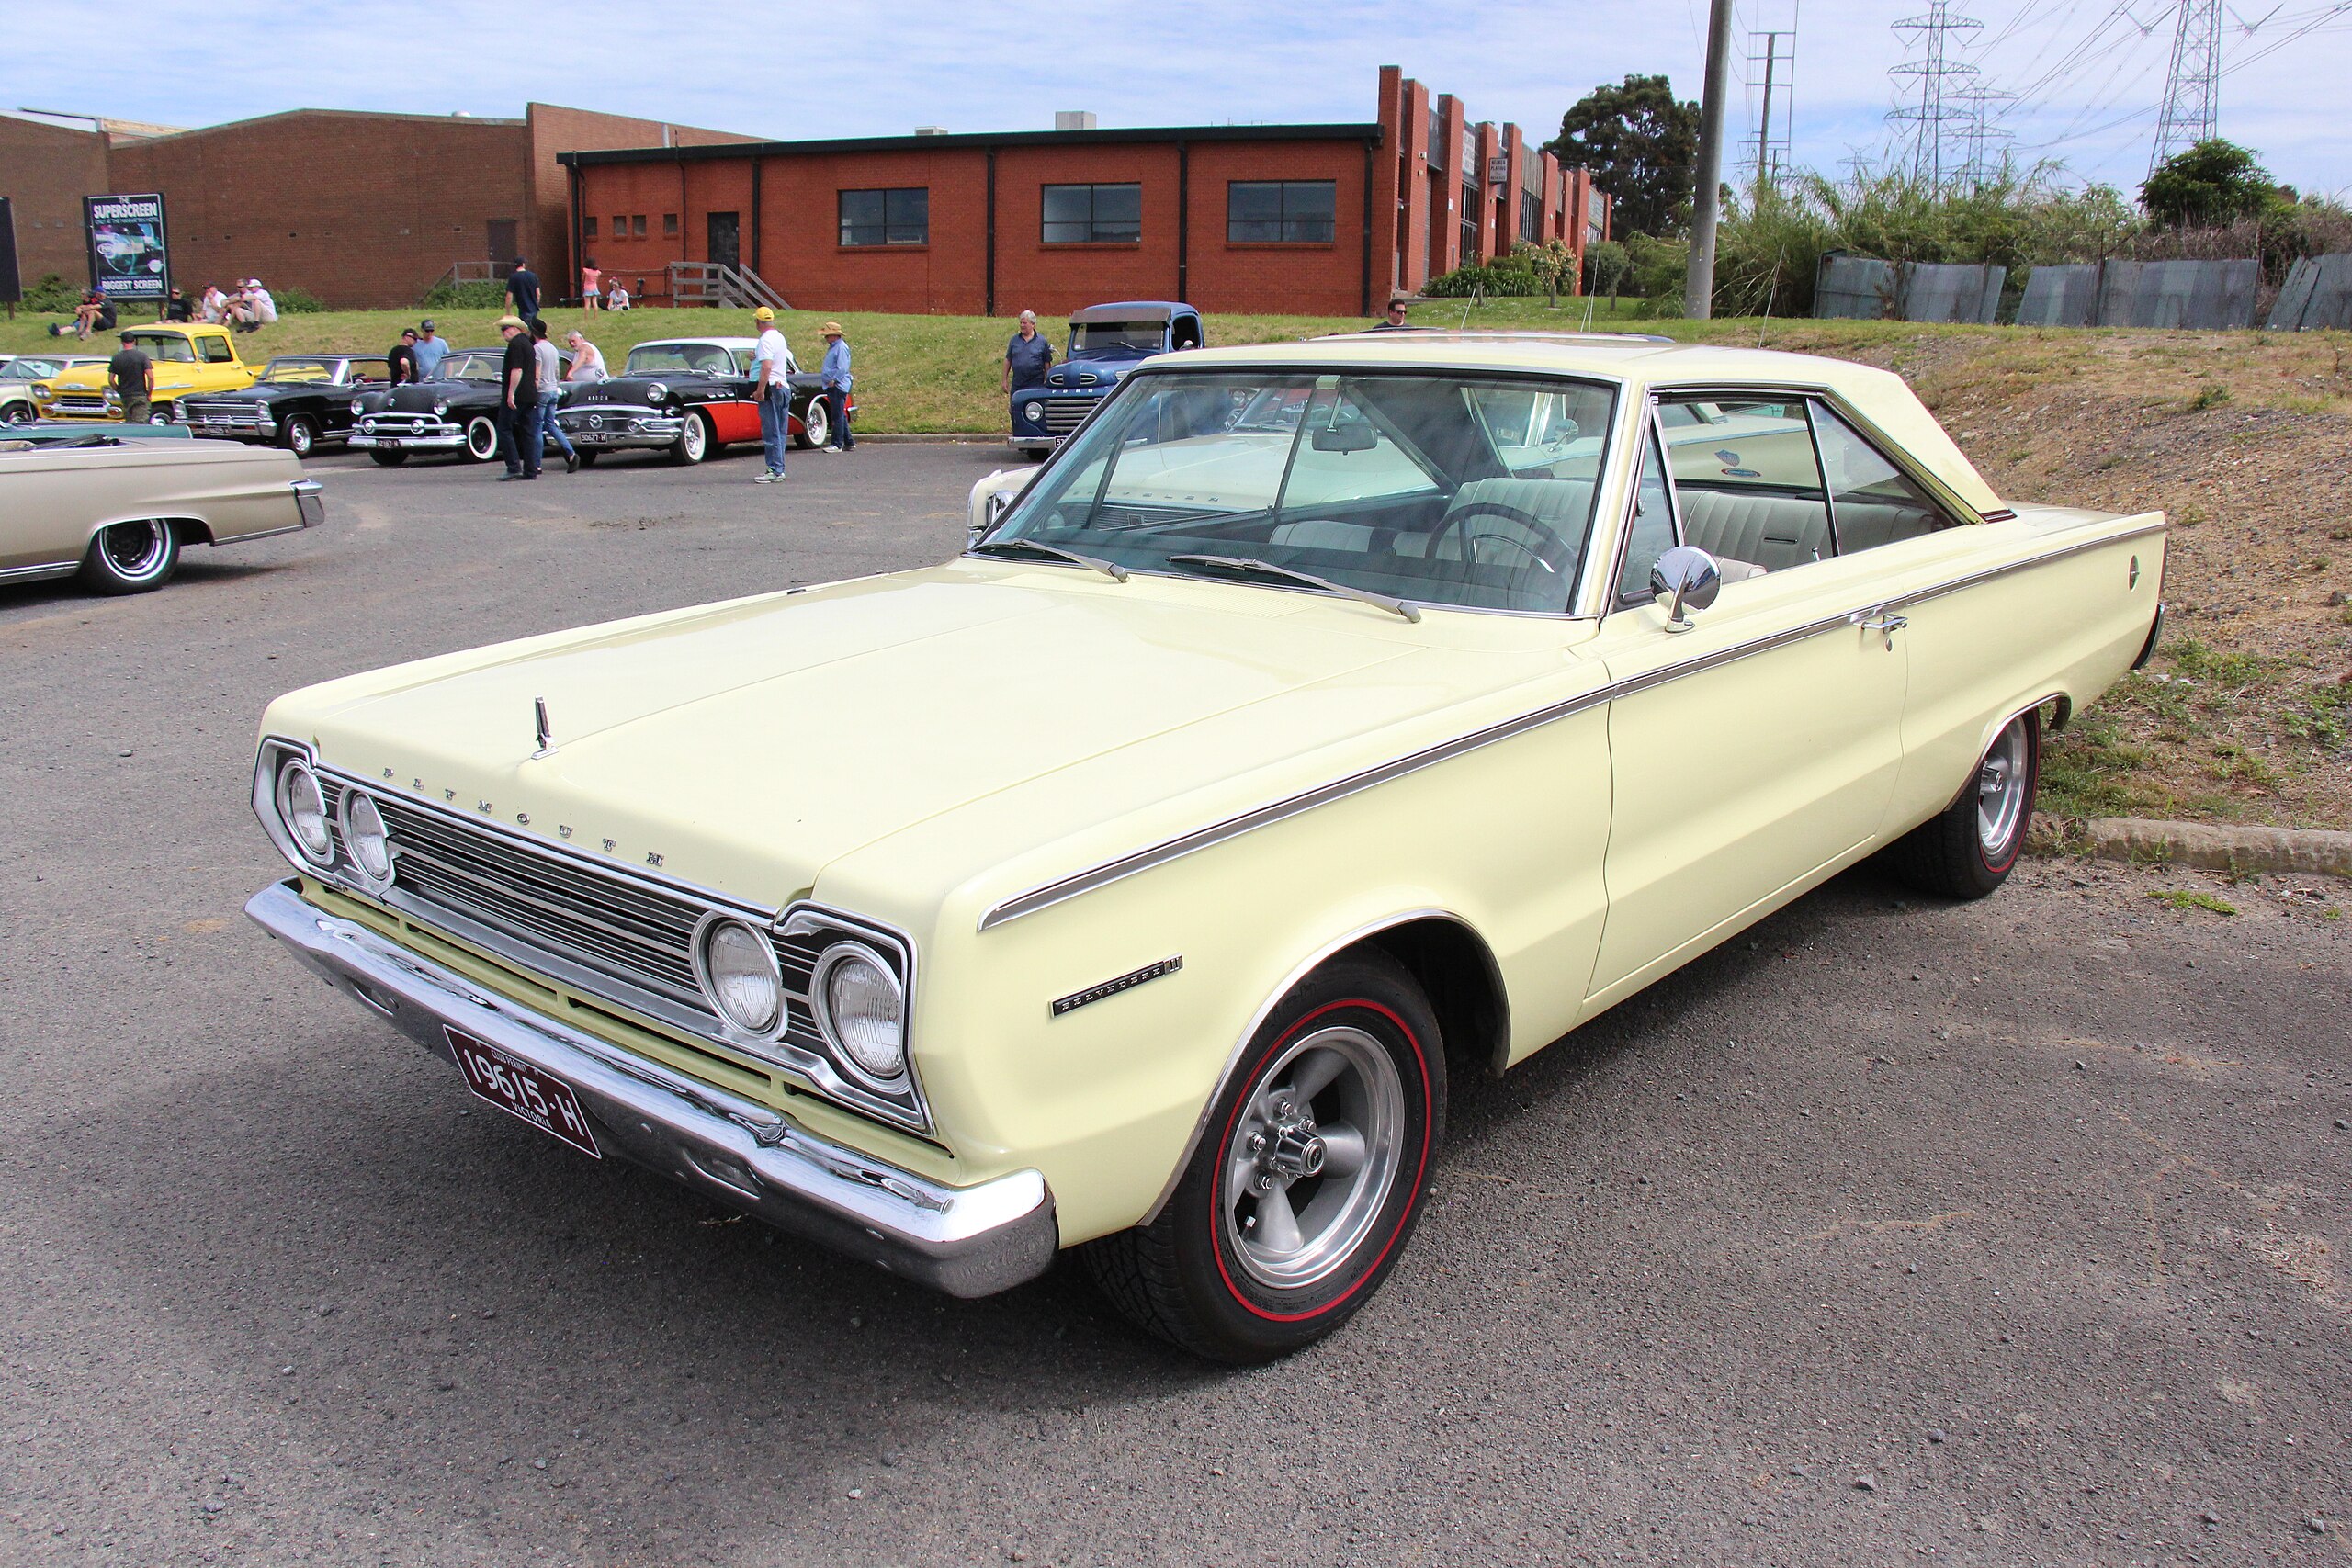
column 587, row 360
column 616, row 298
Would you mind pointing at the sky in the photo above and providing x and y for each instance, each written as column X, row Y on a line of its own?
column 2087, row 72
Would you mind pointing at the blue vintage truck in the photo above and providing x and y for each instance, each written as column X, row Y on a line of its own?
column 1105, row 342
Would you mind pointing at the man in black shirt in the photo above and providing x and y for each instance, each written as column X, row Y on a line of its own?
column 132, row 376
column 402, row 357
column 178, row 308
column 522, row 291
column 518, row 401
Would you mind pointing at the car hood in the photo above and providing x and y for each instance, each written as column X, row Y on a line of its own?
column 746, row 745
column 1106, row 369
column 418, row 396
column 172, row 373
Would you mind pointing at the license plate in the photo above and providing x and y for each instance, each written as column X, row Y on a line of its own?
column 387, row 441
column 520, row 1090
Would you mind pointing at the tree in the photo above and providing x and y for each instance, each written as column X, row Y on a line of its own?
column 1553, row 262
column 2207, row 186
column 1642, row 149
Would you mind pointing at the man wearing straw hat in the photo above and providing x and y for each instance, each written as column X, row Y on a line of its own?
column 837, row 380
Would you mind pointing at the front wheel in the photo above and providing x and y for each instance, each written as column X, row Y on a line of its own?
column 16, row 413
column 1308, row 1179
column 1970, row 848
column 300, row 435
column 162, row 413
column 816, row 425
column 482, row 438
column 692, row 443
column 132, row 557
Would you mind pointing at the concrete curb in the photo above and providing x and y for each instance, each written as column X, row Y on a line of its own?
column 937, row 438
column 2207, row 845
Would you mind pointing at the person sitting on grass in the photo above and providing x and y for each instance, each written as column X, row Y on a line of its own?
column 617, row 297
column 93, row 314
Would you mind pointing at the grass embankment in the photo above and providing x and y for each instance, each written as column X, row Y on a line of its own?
column 2243, row 438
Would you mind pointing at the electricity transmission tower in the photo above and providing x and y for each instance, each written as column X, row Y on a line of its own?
column 1777, row 57
column 1928, row 89
column 2192, row 87
column 1981, row 138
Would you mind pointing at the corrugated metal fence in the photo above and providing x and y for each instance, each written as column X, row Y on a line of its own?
column 2318, row 293
column 1864, row 288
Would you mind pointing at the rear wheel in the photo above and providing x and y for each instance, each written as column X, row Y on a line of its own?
column 816, row 425
column 482, row 438
column 1308, row 1177
column 132, row 557
column 694, row 441
column 1969, row 850
column 300, row 435
column 389, row 460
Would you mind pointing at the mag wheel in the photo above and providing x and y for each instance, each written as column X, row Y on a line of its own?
column 1307, row 1178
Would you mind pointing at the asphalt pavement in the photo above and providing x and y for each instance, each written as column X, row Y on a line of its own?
column 2006, row 1233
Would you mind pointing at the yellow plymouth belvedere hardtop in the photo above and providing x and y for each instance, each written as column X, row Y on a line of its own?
column 1320, row 718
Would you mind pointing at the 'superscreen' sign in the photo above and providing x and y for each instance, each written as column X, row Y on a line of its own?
column 129, row 259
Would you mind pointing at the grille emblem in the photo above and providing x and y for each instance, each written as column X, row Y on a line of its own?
column 610, row 846
column 563, row 830
column 481, row 805
column 652, row 859
column 448, row 795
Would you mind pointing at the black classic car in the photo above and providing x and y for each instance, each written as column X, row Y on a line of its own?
column 302, row 401
column 455, row 412
column 689, row 397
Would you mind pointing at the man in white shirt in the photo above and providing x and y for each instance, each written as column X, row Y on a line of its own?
column 772, row 365
column 264, row 308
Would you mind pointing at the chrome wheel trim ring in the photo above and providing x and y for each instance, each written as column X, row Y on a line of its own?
column 1316, row 1147
column 2001, row 790
column 136, row 551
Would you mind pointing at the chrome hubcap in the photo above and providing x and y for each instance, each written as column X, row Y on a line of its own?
column 2001, row 789
column 136, row 549
column 1315, row 1150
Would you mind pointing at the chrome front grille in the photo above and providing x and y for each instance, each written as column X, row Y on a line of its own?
column 224, row 416
column 405, row 424
column 88, row 405
column 608, row 932
column 1065, row 415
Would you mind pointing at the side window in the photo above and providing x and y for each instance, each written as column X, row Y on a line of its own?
column 1747, row 480
column 1875, row 502
column 217, row 349
column 1652, row 533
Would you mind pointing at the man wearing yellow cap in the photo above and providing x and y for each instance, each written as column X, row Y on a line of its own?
column 837, row 384
column 772, row 363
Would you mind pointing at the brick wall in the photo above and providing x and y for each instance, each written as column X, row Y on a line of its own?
column 547, row 240
column 45, row 171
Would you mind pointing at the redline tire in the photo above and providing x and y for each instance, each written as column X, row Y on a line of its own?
column 1196, row 1276
column 1969, row 848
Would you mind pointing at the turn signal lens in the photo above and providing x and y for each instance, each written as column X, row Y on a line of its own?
column 303, row 807
column 740, row 976
column 862, row 1009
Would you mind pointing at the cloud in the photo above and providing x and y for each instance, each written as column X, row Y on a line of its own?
column 858, row 69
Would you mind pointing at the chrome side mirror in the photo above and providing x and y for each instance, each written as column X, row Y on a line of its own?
column 1685, row 578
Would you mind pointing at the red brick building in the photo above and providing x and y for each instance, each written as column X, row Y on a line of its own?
column 362, row 210
column 1312, row 219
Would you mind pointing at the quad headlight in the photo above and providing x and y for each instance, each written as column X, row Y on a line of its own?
column 738, row 973
column 861, row 1007
column 302, row 808
column 440, row 406
column 364, row 836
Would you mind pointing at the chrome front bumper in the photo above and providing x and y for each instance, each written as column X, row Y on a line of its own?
column 439, row 436
column 594, row 426
column 966, row 1241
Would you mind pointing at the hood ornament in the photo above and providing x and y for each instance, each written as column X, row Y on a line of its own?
column 539, row 715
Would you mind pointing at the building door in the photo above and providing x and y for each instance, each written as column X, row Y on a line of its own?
column 502, row 244
column 726, row 238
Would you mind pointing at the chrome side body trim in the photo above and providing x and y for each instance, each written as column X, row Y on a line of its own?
column 1265, row 1009
column 966, row 1241
column 1046, row 895
column 35, row 573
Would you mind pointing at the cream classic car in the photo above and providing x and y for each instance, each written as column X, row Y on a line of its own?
column 120, row 512
column 1319, row 720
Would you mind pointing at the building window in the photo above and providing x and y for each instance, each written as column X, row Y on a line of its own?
column 587, row 228
column 621, row 227
column 1469, row 224
column 637, row 227
column 887, row 217
column 1101, row 215
column 1281, row 212
column 669, row 225
column 1530, row 214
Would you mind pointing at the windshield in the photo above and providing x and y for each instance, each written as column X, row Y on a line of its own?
column 300, row 370
column 471, row 368
column 1117, row 337
column 670, row 359
column 1444, row 489
column 27, row 369
column 165, row 348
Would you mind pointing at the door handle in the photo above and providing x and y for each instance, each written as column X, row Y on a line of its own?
column 1887, row 626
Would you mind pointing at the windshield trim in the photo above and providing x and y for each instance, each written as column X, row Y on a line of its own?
column 1626, row 404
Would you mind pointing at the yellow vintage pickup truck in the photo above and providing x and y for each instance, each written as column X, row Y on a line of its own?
column 190, row 359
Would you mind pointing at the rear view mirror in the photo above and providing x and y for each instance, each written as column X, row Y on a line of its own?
column 1685, row 577
column 1353, row 435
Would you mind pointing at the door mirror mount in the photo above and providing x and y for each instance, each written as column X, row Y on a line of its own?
column 1685, row 578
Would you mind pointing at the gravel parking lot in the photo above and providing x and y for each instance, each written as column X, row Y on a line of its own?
column 2006, row 1233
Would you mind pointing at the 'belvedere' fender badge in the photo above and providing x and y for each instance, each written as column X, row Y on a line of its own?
column 1127, row 982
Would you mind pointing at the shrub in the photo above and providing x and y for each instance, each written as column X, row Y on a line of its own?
column 294, row 301
column 483, row 294
column 1658, row 268
column 1509, row 275
column 1605, row 266
column 52, row 293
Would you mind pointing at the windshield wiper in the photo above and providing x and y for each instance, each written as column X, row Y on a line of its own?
column 1268, row 568
column 1110, row 569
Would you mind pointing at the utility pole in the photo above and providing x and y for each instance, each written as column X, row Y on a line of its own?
column 1767, row 143
column 1699, row 281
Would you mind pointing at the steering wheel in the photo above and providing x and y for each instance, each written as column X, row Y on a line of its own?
column 1549, row 560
